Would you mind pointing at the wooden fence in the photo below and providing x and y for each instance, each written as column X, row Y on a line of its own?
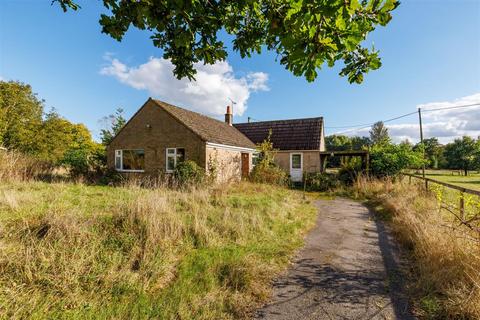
column 472, row 221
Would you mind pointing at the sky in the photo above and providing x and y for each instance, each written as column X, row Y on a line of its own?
column 430, row 54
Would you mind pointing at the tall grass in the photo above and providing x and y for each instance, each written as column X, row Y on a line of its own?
column 446, row 271
column 15, row 166
column 76, row 251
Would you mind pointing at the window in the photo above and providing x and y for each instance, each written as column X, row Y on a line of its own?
column 296, row 161
column 174, row 157
column 130, row 160
column 256, row 158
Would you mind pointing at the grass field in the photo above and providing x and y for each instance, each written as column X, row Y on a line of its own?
column 75, row 251
column 472, row 181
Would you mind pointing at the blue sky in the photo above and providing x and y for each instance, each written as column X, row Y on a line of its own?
column 430, row 53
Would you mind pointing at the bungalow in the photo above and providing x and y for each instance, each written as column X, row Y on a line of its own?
column 299, row 143
column 160, row 135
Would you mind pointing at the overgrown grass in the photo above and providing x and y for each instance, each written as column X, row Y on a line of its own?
column 445, row 282
column 15, row 166
column 76, row 251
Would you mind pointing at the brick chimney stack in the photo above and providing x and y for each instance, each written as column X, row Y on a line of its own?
column 229, row 116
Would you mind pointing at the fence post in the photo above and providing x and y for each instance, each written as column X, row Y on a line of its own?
column 462, row 205
column 409, row 179
column 426, row 185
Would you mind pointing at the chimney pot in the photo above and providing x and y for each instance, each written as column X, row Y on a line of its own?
column 229, row 116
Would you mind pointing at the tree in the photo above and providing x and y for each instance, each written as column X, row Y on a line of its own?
column 461, row 154
column 115, row 123
column 433, row 152
column 390, row 159
column 20, row 116
column 338, row 143
column 379, row 134
column 360, row 143
column 305, row 34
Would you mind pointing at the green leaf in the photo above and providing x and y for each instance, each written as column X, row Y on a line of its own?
column 340, row 23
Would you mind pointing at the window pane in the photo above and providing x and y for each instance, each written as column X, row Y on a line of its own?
column 170, row 163
column 171, row 151
column 133, row 160
column 255, row 159
column 296, row 161
column 180, row 155
column 118, row 163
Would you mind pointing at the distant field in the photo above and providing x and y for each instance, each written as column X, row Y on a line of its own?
column 472, row 181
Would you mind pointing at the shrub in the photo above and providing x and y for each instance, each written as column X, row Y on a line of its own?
column 266, row 171
column 88, row 162
column 319, row 181
column 389, row 160
column 348, row 173
column 271, row 174
column 188, row 173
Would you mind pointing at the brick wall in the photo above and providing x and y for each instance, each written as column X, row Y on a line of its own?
column 163, row 132
column 227, row 161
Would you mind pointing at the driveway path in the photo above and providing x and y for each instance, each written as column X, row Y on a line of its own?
column 348, row 269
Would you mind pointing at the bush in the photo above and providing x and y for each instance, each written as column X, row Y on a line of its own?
column 348, row 173
column 270, row 174
column 389, row 160
column 87, row 162
column 266, row 171
column 189, row 173
column 319, row 181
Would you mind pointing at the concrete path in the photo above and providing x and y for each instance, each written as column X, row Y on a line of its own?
column 348, row 269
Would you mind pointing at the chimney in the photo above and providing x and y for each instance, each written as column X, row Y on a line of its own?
column 229, row 116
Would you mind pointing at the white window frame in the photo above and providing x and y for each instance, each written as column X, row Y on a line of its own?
column 175, row 158
column 119, row 154
column 301, row 160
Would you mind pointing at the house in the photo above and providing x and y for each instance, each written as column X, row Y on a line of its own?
column 299, row 143
column 160, row 135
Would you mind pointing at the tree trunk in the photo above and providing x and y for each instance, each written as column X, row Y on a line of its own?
column 466, row 171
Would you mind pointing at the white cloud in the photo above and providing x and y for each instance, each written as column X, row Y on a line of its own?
column 446, row 125
column 209, row 93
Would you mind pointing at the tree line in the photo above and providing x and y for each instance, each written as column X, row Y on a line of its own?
column 461, row 154
column 26, row 127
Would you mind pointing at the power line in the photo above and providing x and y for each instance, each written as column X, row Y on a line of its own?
column 371, row 124
column 365, row 126
column 454, row 107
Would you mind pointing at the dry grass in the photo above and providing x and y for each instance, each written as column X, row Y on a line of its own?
column 15, row 166
column 446, row 277
column 76, row 251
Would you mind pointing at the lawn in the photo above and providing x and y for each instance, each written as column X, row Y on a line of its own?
column 472, row 181
column 75, row 251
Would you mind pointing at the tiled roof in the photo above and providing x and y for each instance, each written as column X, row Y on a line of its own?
column 210, row 130
column 295, row 134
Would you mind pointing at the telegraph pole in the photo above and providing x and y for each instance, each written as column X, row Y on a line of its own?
column 421, row 140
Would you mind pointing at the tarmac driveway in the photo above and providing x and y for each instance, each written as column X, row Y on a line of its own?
column 349, row 269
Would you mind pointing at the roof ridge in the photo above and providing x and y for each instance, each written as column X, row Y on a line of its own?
column 266, row 121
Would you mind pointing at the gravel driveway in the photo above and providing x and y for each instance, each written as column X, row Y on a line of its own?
column 348, row 269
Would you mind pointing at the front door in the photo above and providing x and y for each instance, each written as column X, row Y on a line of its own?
column 296, row 166
column 245, row 165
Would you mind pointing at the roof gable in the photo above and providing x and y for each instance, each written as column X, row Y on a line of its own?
column 294, row 134
column 208, row 129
